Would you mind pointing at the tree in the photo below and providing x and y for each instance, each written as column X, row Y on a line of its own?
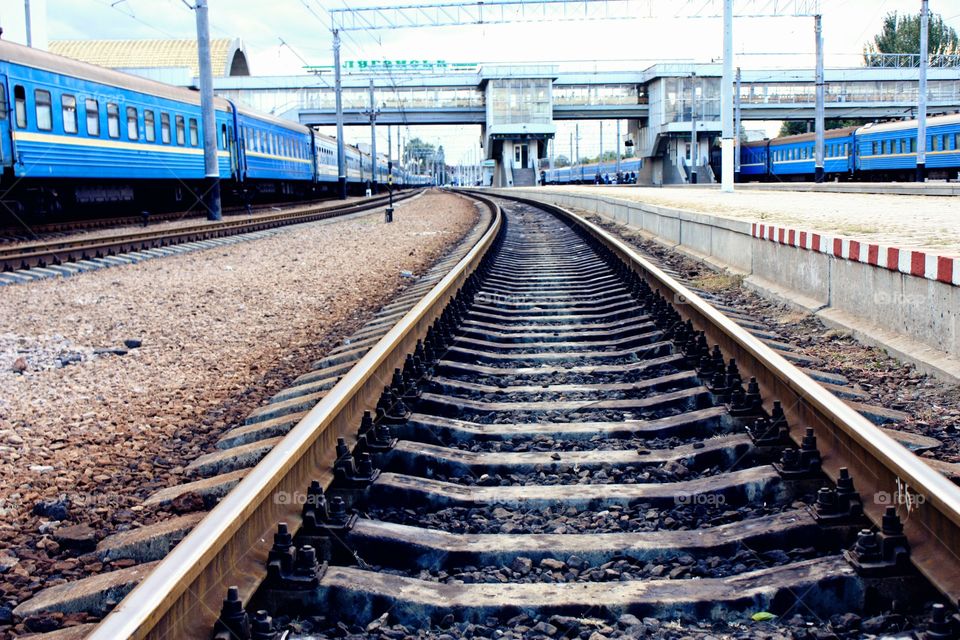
column 561, row 161
column 795, row 127
column 420, row 151
column 901, row 34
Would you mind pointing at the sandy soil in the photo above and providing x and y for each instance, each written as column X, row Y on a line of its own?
column 221, row 330
column 917, row 222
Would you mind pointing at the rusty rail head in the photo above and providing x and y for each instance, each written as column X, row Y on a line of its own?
column 885, row 472
column 180, row 599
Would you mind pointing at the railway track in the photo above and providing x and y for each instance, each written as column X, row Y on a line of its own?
column 47, row 230
column 556, row 446
column 56, row 252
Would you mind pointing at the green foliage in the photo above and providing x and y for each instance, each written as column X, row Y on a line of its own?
column 608, row 156
column 561, row 161
column 418, row 150
column 901, row 34
column 794, row 127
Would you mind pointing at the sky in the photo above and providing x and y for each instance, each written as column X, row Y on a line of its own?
column 661, row 32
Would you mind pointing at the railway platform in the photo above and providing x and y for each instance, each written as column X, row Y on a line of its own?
column 885, row 267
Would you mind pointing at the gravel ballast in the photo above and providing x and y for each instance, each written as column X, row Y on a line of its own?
column 114, row 380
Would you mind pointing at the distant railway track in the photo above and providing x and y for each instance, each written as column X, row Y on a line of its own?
column 548, row 423
column 43, row 230
column 65, row 250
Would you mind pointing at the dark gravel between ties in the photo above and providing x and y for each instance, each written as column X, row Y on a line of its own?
column 545, row 443
column 615, row 519
column 569, row 377
column 523, row 627
column 567, row 474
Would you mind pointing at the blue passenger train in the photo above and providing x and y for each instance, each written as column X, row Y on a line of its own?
column 74, row 135
column 874, row 152
column 594, row 172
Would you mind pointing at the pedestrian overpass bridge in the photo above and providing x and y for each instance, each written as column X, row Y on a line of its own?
column 665, row 92
column 517, row 105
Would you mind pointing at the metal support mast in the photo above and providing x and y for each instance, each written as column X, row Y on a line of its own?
column 210, row 160
column 577, row 161
column 736, row 128
column 693, row 130
column 373, row 141
column 726, row 104
column 818, row 122
column 922, row 93
column 600, row 158
column 618, row 147
column 28, row 25
column 341, row 158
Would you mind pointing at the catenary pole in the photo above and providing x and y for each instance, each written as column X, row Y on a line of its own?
column 818, row 116
column 208, row 120
column 922, row 94
column 736, row 128
column 373, row 140
column 338, row 90
column 726, row 102
column 618, row 146
column 693, row 130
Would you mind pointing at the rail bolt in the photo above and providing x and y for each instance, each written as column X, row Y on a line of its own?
column 770, row 432
column 883, row 553
column 843, row 506
column 942, row 626
column 233, row 622
column 261, row 627
column 804, row 463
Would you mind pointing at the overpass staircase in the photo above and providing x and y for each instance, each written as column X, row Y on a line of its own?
column 524, row 177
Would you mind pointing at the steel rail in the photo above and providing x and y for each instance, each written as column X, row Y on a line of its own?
column 180, row 599
column 92, row 224
column 66, row 250
column 885, row 472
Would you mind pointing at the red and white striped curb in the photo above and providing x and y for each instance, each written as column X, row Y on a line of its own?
column 916, row 263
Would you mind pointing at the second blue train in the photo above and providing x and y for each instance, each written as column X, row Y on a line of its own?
column 875, row 152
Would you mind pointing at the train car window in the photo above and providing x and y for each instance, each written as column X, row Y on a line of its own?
column 133, row 130
column 113, row 120
column 92, row 107
column 68, row 105
column 149, row 125
column 44, row 109
column 181, row 131
column 223, row 137
column 194, row 133
column 956, row 141
column 3, row 102
column 20, row 106
column 165, row 128
column 913, row 145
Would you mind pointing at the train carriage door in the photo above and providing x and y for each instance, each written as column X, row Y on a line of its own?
column 5, row 149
